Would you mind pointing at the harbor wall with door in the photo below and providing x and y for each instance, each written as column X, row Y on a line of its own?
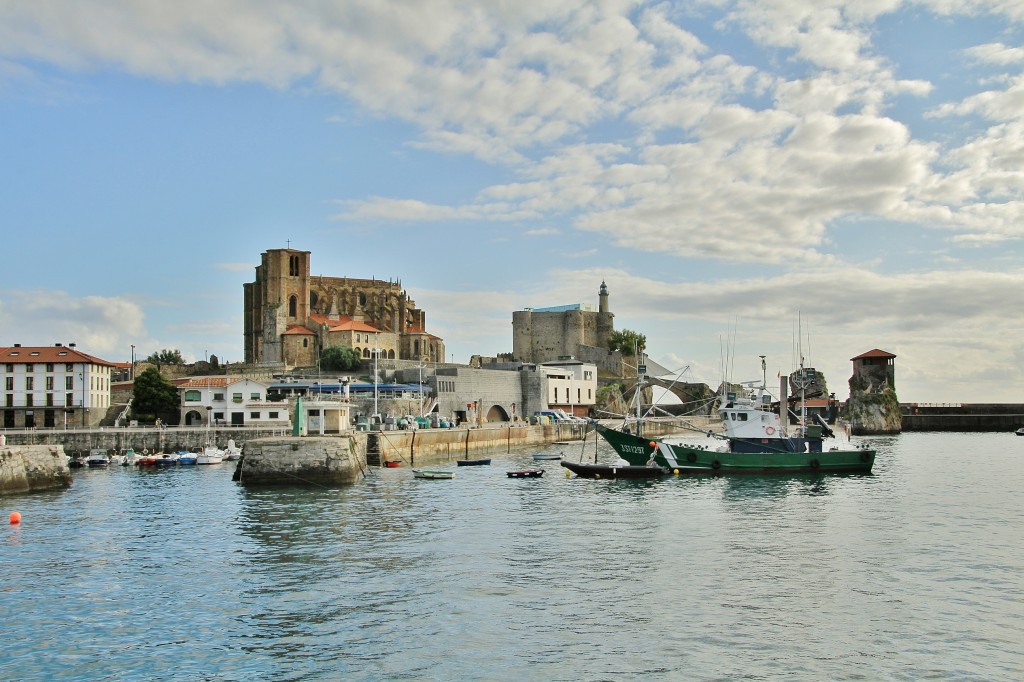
column 962, row 416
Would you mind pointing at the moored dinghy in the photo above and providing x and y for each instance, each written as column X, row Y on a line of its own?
column 436, row 474
column 473, row 462
column 525, row 473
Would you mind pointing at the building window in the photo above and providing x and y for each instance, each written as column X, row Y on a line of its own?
column 193, row 396
column 69, row 383
column 28, row 400
column 29, row 367
column 305, row 343
column 218, row 396
column 30, row 383
column 69, row 399
column 272, row 415
column 254, row 396
column 236, row 397
column 362, row 299
column 293, row 306
column 49, row 400
column 69, row 367
column 9, row 381
column 49, row 383
column 218, row 416
column 49, row 367
column 10, row 400
column 588, row 394
column 10, row 366
column 254, row 415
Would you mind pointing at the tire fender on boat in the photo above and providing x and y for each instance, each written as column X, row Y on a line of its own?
column 865, row 457
column 815, row 464
column 716, row 464
column 769, row 430
column 691, row 457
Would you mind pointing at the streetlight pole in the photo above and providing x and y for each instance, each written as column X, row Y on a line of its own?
column 420, row 367
column 132, row 375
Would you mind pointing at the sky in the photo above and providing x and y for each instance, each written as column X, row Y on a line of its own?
column 788, row 178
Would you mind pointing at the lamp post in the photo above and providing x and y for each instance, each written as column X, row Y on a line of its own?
column 131, row 376
column 376, row 352
column 420, row 367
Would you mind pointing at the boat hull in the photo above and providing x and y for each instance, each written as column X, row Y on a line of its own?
column 611, row 471
column 682, row 459
column 434, row 475
column 472, row 462
column 526, row 473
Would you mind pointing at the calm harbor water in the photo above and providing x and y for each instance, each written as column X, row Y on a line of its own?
column 914, row 572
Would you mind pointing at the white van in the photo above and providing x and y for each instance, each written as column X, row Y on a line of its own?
column 553, row 416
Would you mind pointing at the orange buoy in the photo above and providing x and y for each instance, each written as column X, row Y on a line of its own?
column 15, row 518
column 653, row 444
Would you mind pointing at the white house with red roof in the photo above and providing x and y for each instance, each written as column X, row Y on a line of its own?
column 54, row 386
column 234, row 401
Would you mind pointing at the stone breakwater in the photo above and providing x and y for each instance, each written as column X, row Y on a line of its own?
column 319, row 460
column 28, row 468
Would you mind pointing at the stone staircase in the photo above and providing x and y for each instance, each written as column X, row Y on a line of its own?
column 373, row 458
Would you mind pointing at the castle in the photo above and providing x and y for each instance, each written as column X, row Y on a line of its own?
column 570, row 331
column 290, row 316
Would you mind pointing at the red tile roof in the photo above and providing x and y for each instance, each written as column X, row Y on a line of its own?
column 344, row 323
column 874, row 354
column 205, row 382
column 55, row 354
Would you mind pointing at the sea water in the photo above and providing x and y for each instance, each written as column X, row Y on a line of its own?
column 913, row 572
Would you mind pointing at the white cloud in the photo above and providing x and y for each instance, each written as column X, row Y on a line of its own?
column 104, row 326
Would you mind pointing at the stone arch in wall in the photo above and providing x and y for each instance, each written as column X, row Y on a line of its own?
column 497, row 413
column 293, row 305
column 193, row 418
column 391, row 355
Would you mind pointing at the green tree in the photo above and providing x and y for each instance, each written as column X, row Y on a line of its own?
column 153, row 397
column 339, row 358
column 627, row 341
column 166, row 356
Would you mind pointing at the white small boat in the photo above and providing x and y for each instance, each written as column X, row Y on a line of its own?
column 210, row 455
column 97, row 458
column 232, row 451
column 432, row 473
column 130, row 458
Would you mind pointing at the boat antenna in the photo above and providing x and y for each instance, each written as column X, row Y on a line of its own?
column 764, row 372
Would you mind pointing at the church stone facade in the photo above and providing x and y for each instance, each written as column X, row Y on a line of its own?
column 290, row 315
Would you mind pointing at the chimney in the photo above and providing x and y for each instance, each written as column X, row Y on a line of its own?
column 17, row 345
column 58, row 345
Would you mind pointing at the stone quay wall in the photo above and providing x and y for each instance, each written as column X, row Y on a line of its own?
column 79, row 442
column 30, row 468
column 433, row 446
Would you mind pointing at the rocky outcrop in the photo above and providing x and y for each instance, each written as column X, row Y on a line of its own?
column 325, row 461
column 28, row 468
column 874, row 413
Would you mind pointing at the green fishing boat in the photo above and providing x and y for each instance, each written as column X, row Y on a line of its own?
column 755, row 440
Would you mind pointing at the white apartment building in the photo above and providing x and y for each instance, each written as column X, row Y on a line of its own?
column 234, row 401
column 53, row 387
